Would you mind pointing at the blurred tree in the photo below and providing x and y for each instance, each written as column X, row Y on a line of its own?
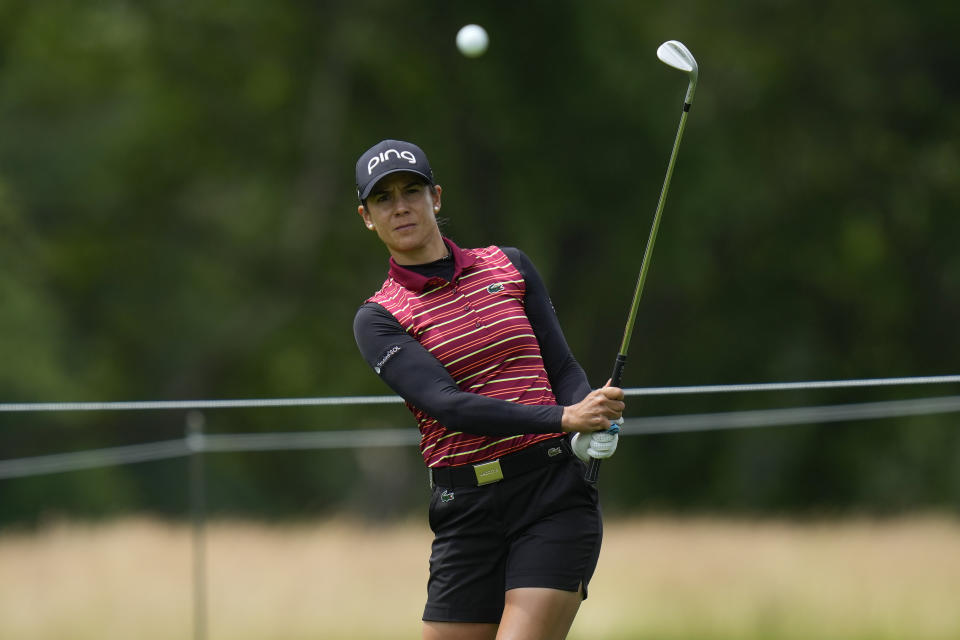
column 177, row 221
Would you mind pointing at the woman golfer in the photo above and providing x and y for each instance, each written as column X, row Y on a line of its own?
column 469, row 338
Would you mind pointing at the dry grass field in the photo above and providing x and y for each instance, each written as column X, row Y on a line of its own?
column 659, row 578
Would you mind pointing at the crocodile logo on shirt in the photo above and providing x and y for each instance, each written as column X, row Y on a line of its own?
column 496, row 287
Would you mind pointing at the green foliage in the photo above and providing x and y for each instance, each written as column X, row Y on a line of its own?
column 177, row 220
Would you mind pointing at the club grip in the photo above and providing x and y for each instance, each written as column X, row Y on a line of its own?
column 593, row 468
column 617, row 376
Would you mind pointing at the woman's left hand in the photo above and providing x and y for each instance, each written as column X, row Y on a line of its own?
column 595, row 412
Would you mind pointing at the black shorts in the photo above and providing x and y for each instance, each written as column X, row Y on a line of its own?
column 539, row 529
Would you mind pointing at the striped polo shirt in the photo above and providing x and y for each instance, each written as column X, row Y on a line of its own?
column 477, row 328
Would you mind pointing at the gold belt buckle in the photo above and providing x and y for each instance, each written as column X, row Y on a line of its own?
column 488, row 472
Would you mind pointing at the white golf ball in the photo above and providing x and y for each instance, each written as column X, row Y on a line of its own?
column 472, row 40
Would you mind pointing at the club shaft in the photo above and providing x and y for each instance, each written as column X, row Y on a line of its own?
column 616, row 378
column 651, row 240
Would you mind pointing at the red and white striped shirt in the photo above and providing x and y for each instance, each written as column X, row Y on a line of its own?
column 477, row 327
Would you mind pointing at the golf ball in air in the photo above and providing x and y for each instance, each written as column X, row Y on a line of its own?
column 472, row 40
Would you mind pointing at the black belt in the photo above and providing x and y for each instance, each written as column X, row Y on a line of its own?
column 508, row 466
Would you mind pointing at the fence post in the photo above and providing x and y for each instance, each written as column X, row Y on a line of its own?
column 198, row 507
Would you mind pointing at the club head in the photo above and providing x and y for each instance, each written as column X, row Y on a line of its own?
column 673, row 53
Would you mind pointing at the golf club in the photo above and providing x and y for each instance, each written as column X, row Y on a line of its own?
column 672, row 53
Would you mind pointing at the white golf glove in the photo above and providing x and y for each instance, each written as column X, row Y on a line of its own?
column 598, row 444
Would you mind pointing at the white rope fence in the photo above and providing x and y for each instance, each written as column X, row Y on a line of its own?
column 153, row 405
column 341, row 439
column 792, row 416
column 793, row 386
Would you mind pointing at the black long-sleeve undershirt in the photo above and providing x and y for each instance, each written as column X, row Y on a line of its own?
column 420, row 379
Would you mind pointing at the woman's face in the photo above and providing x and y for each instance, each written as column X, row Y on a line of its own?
column 402, row 210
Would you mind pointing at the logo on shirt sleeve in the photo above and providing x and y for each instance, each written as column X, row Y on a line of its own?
column 392, row 351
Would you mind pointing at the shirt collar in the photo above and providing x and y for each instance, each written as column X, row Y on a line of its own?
column 415, row 282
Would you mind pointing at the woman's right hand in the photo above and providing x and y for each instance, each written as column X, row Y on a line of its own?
column 595, row 412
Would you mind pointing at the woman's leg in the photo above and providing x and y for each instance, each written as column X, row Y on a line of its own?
column 459, row 631
column 538, row 614
column 528, row 614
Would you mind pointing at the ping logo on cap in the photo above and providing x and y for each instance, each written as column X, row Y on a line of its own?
column 383, row 156
column 386, row 157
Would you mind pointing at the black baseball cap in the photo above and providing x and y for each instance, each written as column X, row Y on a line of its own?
column 390, row 156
